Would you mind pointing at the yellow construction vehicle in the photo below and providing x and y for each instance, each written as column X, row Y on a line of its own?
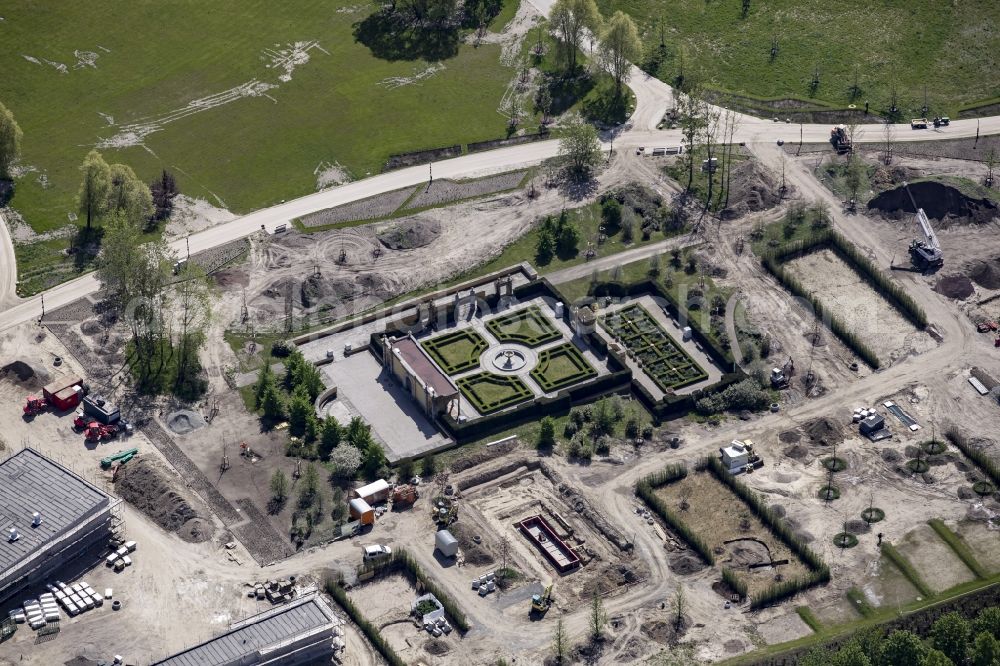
column 540, row 603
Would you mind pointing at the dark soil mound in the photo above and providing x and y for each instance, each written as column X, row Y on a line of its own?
column 753, row 189
column 151, row 490
column 986, row 273
column 684, row 564
column 436, row 647
column 939, row 201
column 665, row 633
column 231, row 277
column 858, row 526
column 476, row 554
column 955, row 286
column 26, row 374
column 91, row 327
column 824, row 431
column 409, row 234
column 890, row 455
column 790, row 436
column 798, row 452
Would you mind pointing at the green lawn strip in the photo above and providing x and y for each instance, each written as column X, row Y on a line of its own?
column 490, row 393
column 528, row 327
column 960, row 548
column 809, row 618
column 829, row 634
column 907, row 569
column 859, row 603
column 561, row 366
column 456, row 351
column 665, row 361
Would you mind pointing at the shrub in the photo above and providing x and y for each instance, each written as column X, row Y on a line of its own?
column 987, row 465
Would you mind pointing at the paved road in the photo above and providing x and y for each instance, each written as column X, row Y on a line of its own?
column 653, row 97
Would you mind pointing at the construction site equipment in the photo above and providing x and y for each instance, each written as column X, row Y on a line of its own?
column 942, row 121
column 782, row 377
column 840, row 139
column 120, row 457
column 918, row 123
column 446, row 543
column 376, row 491
column 445, row 512
column 361, row 511
column 404, row 495
column 34, row 406
column 925, row 254
column 540, row 603
column 98, row 431
column 80, row 420
column 99, row 409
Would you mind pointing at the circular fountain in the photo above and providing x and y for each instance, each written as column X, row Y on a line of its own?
column 509, row 360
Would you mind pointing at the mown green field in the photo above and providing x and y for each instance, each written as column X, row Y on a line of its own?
column 155, row 58
column 952, row 48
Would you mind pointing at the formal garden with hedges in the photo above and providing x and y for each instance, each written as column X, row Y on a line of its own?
column 490, row 393
column 561, row 366
column 659, row 356
column 456, row 351
column 528, row 327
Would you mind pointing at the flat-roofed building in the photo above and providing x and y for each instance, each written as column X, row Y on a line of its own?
column 49, row 516
column 302, row 631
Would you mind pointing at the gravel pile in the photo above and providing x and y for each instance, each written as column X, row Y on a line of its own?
column 373, row 208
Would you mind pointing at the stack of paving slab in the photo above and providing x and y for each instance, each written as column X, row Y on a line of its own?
column 78, row 597
column 485, row 583
column 437, row 627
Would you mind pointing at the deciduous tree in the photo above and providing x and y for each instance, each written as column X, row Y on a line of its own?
column 129, row 195
column 580, row 146
column 92, row 199
column 572, row 19
column 620, row 47
column 279, row 485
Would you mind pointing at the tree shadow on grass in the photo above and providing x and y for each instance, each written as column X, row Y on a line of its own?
column 6, row 191
column 390, row 36
column 85, row 246
column 567, row 90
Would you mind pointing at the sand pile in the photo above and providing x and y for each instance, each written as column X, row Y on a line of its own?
column 152, row 490
column 955, row 286
column 184, row 421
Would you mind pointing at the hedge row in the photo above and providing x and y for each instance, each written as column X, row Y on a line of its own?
column 986, row 465
column 906, row 569
column 370, row 631
column 792, row 284
column 735, row 583
column 646, row 490
column 819, row 571
column 959, row 547
column 401, row 560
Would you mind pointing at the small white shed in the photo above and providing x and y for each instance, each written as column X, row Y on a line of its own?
column 374, row 492
column 446, row 542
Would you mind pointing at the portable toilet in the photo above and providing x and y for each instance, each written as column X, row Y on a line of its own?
column 362, row 511
column 445, row 542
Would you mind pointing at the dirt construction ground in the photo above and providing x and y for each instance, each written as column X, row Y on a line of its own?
column 181, row 591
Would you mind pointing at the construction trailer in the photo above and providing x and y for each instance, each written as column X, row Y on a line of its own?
column 446, row 543
column 50, row 517
column 361, row 511
column 100, row 410
column 300, row 632
column 374, row 492
column 65, row 393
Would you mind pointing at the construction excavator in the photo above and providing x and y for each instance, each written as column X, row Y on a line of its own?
column 540, row 603
column 924, row 254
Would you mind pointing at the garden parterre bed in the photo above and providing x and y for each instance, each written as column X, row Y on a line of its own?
column 527, row 327
column 561, row 366
column 490, row 393
column 456, row 351
column 663, row 360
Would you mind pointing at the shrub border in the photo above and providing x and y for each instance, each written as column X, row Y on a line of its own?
column 906, row 569
column 959, row 547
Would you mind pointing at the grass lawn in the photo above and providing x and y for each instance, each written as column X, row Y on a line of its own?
column 490, row 393
column 150, row 60
column 456, row 351
column 528, row 327
column 952, row 54
column 561, row 366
